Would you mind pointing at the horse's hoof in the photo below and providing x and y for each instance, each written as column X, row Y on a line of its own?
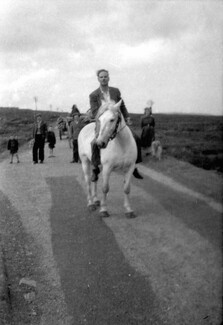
column 130, row 215
column 92, row 207
column 97, row 203
column 104, row 214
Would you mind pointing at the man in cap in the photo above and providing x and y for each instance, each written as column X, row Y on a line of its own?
column 75, row 128
column 39, row 135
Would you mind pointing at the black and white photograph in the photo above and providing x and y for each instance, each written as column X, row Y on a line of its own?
column 111, row 162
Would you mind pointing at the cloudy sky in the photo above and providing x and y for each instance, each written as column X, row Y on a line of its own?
column 168, row 51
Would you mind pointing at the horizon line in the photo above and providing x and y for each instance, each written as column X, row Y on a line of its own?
column 158, row 113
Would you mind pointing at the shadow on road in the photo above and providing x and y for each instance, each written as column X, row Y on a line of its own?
column 99, row 285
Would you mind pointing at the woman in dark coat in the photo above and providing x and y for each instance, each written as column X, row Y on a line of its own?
column 147, row 126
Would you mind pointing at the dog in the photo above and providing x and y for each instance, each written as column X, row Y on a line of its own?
column 156, row 149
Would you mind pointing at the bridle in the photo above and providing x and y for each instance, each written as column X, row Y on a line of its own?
column 115, row 132
column 116, row 128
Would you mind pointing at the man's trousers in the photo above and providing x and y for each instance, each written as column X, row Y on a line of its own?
column 38, row 148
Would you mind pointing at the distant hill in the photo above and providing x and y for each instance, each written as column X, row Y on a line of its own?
column 6, row 109
column 197, row 139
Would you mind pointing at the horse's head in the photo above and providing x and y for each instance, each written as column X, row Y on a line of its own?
column 108, row 119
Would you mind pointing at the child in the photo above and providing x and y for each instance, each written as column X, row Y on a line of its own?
column 13, row 146
column 52, row 140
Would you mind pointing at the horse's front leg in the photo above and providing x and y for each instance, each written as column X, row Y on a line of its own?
column 128, row 210
column 105, row 188
column 96, row 201
column 87, row 175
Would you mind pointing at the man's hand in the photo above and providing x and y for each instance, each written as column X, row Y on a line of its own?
column 86, row 118
column 31, row 143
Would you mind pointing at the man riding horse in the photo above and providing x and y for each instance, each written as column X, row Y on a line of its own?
column 106, row 94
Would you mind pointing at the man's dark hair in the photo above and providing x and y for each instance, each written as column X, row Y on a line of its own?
column 101, row 70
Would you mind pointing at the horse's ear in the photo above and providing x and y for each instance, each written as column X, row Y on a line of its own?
column 117, row 106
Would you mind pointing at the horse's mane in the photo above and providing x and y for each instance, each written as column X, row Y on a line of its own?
column 103, row 108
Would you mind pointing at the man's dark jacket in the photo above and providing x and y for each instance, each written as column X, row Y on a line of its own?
column 96, row 97
column 43, row 129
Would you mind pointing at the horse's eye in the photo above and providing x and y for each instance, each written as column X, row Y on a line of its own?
column 112, row 120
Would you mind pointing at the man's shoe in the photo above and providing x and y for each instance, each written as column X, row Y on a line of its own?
column 136, row 174
column 94, row 176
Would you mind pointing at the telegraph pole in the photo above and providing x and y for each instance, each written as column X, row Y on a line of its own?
column 35, row 100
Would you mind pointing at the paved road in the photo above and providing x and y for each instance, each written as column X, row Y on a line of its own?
column 164, row 267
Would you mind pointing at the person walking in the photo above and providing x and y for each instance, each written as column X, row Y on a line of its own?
column 13, row 146
column 39, row 136
column 75, row 128
column 106, row 94
column 51, row 139
column 60, row 126
column 147, row 123
column 74, row 110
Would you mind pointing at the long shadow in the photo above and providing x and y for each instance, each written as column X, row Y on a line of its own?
column 194, row 213
column 100, row 286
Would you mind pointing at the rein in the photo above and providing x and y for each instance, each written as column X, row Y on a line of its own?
column 116, row 128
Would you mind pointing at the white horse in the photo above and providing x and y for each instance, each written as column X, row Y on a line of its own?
column 118, row 152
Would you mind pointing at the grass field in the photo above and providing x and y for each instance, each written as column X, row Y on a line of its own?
column 14, row 121
column 193, row 138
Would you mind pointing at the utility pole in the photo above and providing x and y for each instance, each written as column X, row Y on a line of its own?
column 35, row 100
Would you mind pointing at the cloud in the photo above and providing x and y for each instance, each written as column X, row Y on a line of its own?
column 167, row 50
column 30, row 26
column 144, row 53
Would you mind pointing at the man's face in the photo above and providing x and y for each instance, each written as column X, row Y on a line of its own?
column 76, row 117
column 103, row 78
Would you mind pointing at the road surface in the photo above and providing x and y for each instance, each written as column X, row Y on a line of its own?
column 68, row 266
